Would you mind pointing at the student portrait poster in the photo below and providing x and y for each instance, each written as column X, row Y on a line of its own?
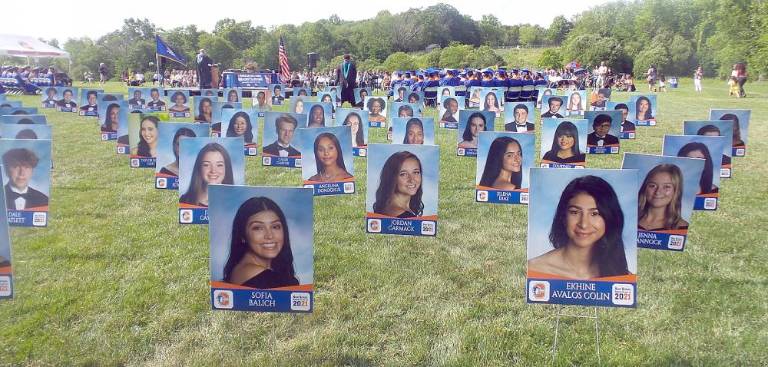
column 582, row 237
column 261, row 249
column 204, row 162
column 471, row 124
column 360, row 94
column 357, row 120
column 327, row 97
column 503, row 161
column 519, row 117
column 49, row 96
column 377, row 111
column 301, row 92
column 297, row 104
column 6, row 268
column 26, row 180
column 643, row 110
column 446, row 91
column 714, row 128
column 606, row 128
column 402, row 192
column 277, row 93
column 576, row 103
column 563, row 143
column 143, row 138
column 740, row 120
column 23, row 119
column 16, row 110
column 542, row 91
column 168, row 145
column 235, row 123
column 139, row 97
column 113, row 115
column 277, row 144
column 218, row 109
column 89, row 102
column 553, row 106
column 708, row 148
column 327, row 163
column 111, row 97
column 628, row 128
column 448, row 111
column 319, row 114
column 668, row 188
column 404, row 109
column 155, row 102
column 22, row 131
column 179, row 104
column 413, row 130
column 231, row 95
column 262, row 101
column 69, row 99
column 123, row 145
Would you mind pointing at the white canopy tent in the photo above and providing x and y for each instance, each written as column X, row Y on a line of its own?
column 24, row 46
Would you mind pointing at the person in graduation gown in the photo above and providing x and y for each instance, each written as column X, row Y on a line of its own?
column 346, row 76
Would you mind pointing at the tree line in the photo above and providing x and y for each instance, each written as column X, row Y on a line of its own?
column 673, row 35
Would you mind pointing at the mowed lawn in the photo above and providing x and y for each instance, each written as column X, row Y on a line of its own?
column 115, row 280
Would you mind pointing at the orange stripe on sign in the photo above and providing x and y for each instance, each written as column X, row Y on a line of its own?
column 6, row 269
column 36, row 209
column 165, row 175
column 301, row 287
column 710, row 195
column 190, row 206
column 631, row 278
column 669, row 231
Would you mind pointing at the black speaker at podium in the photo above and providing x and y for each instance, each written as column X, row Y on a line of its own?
column 312, row 58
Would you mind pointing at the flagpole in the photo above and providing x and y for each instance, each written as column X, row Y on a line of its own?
column 157, row 67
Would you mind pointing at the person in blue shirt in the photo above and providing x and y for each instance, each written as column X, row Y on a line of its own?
column 434, row 80
column 487, row 78
column 502, row 81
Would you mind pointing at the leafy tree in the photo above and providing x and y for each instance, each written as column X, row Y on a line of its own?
column 399, row 61
column 551, row 58
column 455, row 56
column 558, row 30
column 483, row 56
column 219, row 49
column 491, row 30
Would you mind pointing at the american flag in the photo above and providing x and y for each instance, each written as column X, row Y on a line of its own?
column 285, row 69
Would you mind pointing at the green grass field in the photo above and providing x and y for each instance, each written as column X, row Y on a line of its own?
column 114, row 280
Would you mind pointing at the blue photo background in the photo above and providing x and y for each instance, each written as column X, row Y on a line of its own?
column 84, row 95
column 742, row 115
column 327, row 112
column 509, row 111
column 189, row 148
column 232, row 95
column 296, row 204
column 575, row 106
column 305, row 141
column 166, row 132
column 20, row 119
column 690, row 167
column 253, row 116
column 545, row 104
column 547, row 185
column 549, row 126
column 616, row 120
column 399, row 132
column 341, row 116
column 394, row 109
column 429, row 155
column 359, row 100
column 715, row 144
column 122, row 114
column 527, row 147
column 459, row 100
column 725, row 127
column 41, row 174
column 633, row 106
column 5, row 238
column 490, row 122
column 11, row 131
column 170, row 100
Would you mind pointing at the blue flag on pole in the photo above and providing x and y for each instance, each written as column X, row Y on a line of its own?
column 165, row 50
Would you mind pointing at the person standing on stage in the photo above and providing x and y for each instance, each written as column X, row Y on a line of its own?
column 204, row 69
column 346, row 76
